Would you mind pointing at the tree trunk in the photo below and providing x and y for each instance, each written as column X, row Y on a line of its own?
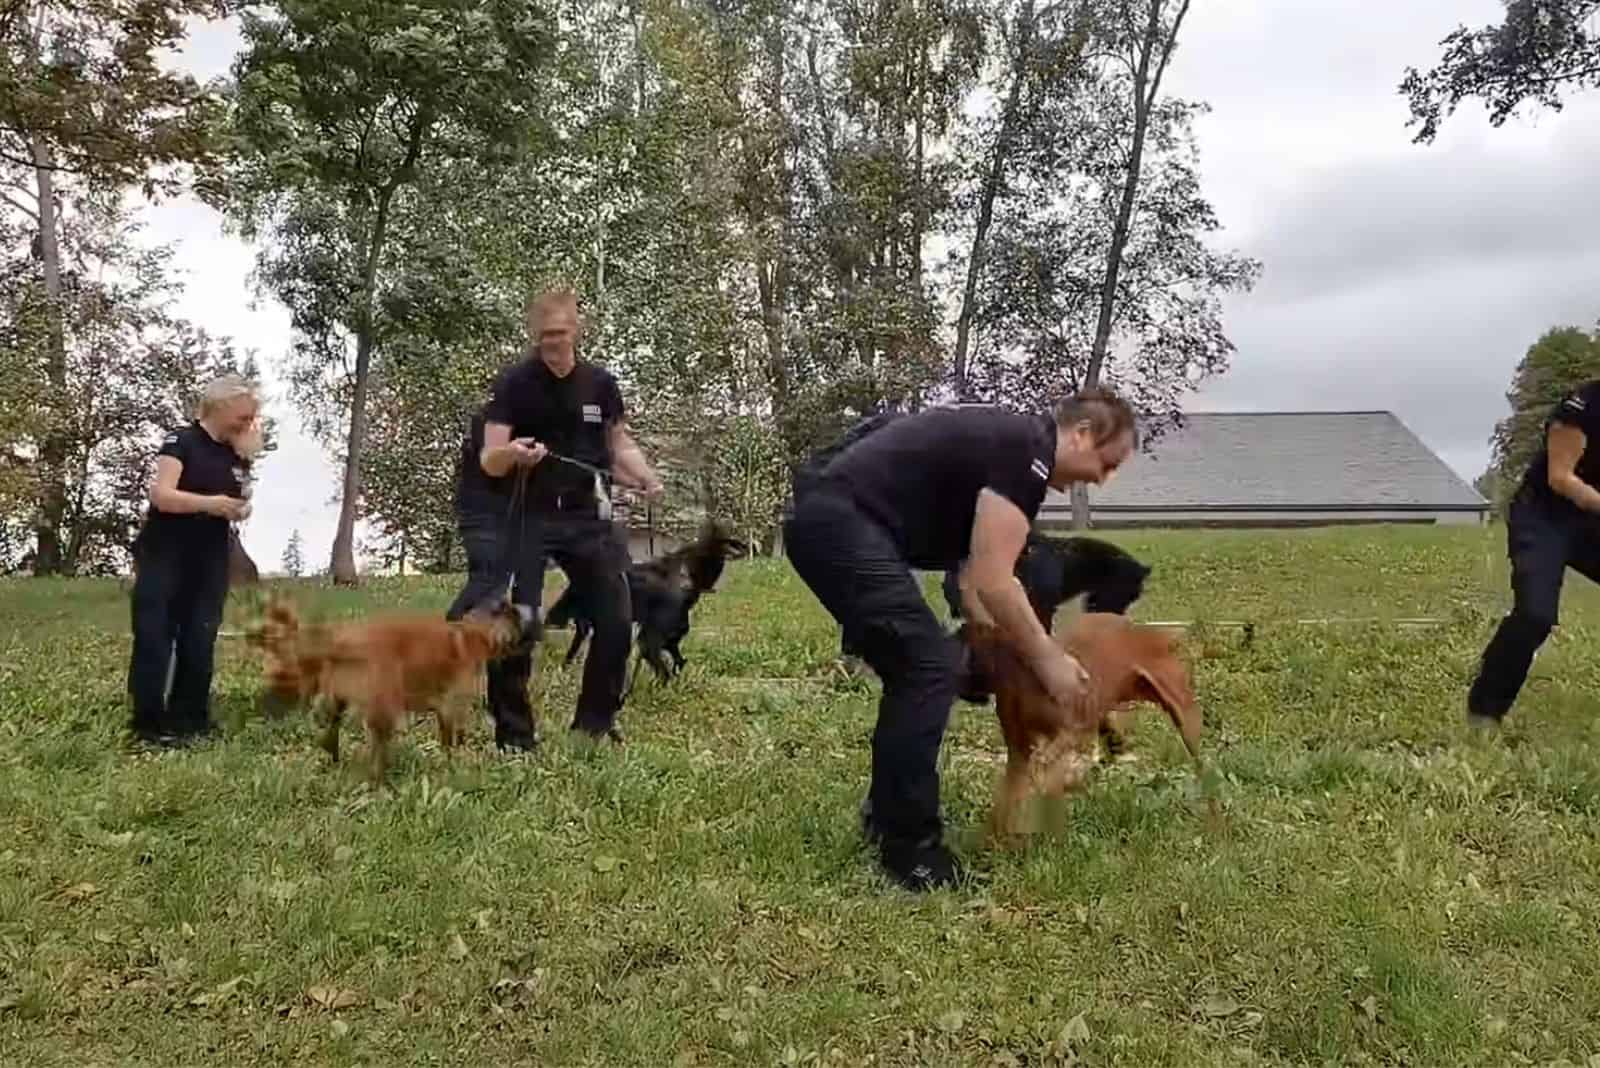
column 48, row 557
column 986, row 198
column 919, row 211
column 342, row 566
column 772, row 265
column 1146, row 88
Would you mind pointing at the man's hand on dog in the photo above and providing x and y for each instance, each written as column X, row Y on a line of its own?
column 526, row 452
column 1063, row 678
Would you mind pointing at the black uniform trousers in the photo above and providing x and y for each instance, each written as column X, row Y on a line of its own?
column 854, row 567
column 482, row 520
column 516, row 546
column 178, row 597
column 1542, row 543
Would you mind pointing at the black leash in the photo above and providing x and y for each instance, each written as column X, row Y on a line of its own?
column 509, row 546
column 517, row 507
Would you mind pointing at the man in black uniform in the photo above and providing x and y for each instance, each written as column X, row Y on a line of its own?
column 493, row 558
column 927, row 491
column 1553, row 525
column 556, row 424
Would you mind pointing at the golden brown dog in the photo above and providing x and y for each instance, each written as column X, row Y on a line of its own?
column 1050, row 747
column 387, row 667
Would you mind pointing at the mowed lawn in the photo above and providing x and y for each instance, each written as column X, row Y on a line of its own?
column 1382, row 888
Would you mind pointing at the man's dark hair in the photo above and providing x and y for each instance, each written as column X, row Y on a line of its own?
column 1107, row 414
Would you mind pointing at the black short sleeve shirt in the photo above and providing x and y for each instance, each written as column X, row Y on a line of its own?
column 474, row 485
column 1580, row 408
column 920, row 475
column 571, row 415
column 210, row 468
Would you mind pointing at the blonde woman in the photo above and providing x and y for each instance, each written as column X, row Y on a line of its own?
column 181, row 557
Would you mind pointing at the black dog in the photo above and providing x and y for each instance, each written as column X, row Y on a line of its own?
column 663, row 591
column 1055, row 570
column 1052, row 571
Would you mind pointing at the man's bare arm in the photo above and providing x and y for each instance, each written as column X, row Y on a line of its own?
column 628, row 462
column 999, row 532
column 501, row 453
column 1566, row 444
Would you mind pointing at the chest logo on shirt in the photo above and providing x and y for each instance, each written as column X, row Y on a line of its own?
column 1038, row 468
column 591, row 413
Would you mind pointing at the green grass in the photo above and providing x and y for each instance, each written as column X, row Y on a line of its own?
column 1382, row 889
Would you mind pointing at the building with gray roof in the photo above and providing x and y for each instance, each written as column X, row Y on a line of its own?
column 1250, row 469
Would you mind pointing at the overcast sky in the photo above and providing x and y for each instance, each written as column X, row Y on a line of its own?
column 1396, row 276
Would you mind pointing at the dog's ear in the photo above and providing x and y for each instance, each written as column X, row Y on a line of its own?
column 1165, row 682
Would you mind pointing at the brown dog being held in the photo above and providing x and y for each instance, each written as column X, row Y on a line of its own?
column 1050, row 746
column 389, row 667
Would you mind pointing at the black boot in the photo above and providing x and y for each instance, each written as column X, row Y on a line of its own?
column 920, row 866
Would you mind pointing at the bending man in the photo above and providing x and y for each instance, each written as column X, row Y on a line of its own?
column 927, row 491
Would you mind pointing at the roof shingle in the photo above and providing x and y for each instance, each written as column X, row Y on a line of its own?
column 1285, row 460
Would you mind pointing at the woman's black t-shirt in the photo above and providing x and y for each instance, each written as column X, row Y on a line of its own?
column 210, row 468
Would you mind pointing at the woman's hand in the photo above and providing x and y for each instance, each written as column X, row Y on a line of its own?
column 230, row 508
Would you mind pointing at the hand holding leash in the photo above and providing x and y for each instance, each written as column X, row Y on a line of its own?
column 526, row 452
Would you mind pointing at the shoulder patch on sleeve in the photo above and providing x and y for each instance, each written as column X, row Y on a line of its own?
column 170, row 439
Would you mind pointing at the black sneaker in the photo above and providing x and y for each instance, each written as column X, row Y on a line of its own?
column 1483, row 722
column 150, row 738
column 922, row 866
column 1478, row 717
column 197, row 735
column 516, row 743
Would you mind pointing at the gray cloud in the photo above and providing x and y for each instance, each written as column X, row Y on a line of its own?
column 1402, row 277
column 1398, row 219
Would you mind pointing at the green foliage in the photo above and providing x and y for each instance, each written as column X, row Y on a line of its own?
column 748, row 198
column 344, row 115
column 1561, row 360
column 1381, row 889
column 86, row 108
column 131, row 370
column 294, row 558
column 1542, row 50
column 1097, row 211
column 83, row 90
